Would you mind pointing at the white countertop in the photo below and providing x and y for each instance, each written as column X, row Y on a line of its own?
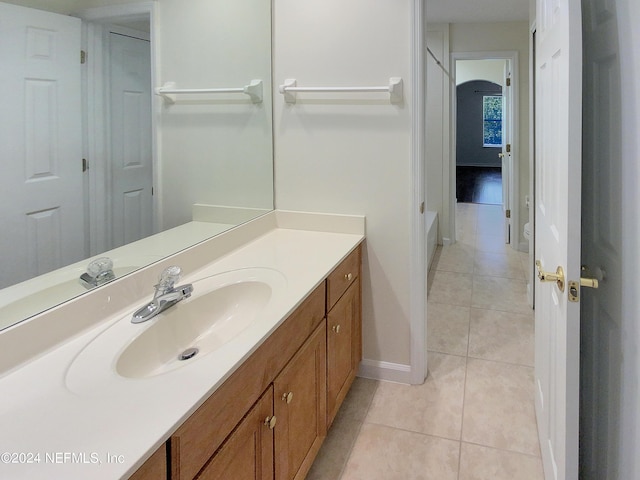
column 107, row 432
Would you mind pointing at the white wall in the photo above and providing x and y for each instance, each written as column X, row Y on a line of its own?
column 493, row 37
column 490, row 70
column 214, row 149
column 628, row 16
column 351, row 153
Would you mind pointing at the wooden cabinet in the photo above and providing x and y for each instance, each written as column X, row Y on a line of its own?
column 295, row 381
column 343, row 348
column 203, row 432
column 300, row 407
column 155, row 468
column 248, row 452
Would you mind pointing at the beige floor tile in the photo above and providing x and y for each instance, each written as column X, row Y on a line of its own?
column 383, row 453
column 495, row 293
column 433, row 408
column 482, row 463
column 499, row 407
column 466, row 237
column 494, row 243
column 335, row 450
column 456, row 258
column 357, row 402
column 451, row 288
column 498, row 265
column 447, row 328
column 501, row 336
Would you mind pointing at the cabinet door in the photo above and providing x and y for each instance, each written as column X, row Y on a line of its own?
column 300, row 406
column 247, row 454
column 343, row 348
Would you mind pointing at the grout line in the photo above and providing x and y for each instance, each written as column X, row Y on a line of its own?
column 502, row 449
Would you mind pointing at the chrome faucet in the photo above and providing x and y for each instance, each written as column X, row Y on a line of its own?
column 166, row 295
column 99, row 271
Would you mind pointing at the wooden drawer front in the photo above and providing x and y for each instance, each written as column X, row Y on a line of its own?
column 205, row 430
column 300, row 407
column 343, row 348
column 248, row 452
column 344, row 275
column 155, row 468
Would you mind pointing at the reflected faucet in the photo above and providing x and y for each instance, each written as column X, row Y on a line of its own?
column 166, row 295
column 99, row 271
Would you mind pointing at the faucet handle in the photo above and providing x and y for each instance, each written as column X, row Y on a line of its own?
column 99, row 265
column 169, row 277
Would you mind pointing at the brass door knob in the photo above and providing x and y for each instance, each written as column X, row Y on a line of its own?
column 336, row 328
column 557, row 277
column 348, row 277
column 287, row 397
column 270, row 422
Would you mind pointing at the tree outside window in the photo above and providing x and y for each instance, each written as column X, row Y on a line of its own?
column 492, row 120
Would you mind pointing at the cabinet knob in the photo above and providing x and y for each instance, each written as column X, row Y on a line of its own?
column 348, row 277
column 270, row 422
column 287, row 397
column 336, row 328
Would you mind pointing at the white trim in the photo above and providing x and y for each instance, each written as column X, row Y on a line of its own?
column 418, row 268
column 512, row 57
column 386, row 371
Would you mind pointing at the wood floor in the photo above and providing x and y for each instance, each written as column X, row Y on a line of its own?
column 479, row 185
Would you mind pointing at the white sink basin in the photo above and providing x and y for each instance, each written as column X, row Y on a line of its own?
column 221, row 308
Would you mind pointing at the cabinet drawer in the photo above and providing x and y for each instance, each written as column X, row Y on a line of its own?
column 204, row 431
column 339, row 280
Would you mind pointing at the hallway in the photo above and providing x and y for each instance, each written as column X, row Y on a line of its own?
column 474, row 417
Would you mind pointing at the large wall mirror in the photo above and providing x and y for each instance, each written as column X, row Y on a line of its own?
column 97, row 163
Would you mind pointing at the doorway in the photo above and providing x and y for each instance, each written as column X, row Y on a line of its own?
column 120, row 136
column 483, row 166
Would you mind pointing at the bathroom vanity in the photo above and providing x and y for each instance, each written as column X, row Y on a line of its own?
column 256, row 405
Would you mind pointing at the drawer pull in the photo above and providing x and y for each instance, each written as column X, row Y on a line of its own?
column 336, row 328
column 348, row 277
column 270, row 422
column 287, row 397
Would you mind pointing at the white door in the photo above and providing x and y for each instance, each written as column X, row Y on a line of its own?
column 41, row 189
column 505, row 155
column 604, row 333
column 131, row 158
column 557, row 197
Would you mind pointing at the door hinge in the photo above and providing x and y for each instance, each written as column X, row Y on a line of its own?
column 508, row 213
column 83, row 57
column 152, row 191
column 508, row 81
column 422, row 207
column 85, row 165
column 508, row 148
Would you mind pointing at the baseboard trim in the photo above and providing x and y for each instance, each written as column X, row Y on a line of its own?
column 523, row 246
column 389, row 372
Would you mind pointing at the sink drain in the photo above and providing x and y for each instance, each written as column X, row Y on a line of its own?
column 188, row 353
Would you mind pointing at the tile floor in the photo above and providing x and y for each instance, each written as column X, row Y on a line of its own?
column 473, row 418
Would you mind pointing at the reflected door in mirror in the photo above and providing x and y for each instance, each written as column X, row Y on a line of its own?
column 41, row 186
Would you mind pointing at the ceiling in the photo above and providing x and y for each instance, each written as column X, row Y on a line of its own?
column 465, row 11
